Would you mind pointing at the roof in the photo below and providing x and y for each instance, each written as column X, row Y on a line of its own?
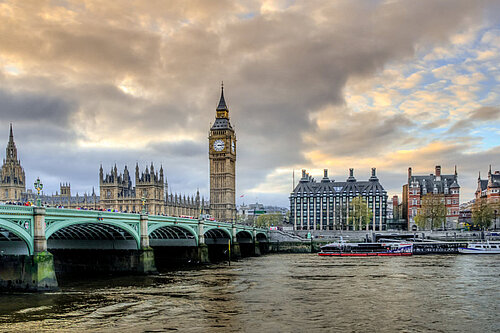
column 495, row 180
column 221, row 123
column 311, row 186
column 431, row 181
column 222, row 102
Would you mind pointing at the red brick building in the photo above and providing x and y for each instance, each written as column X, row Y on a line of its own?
column 445, row 186
column 489, row 188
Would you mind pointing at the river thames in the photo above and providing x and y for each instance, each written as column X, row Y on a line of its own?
column 276, row 293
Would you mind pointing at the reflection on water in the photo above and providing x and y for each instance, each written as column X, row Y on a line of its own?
column 276, row 293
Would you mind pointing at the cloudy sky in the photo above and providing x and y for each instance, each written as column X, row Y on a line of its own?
column 310, row 84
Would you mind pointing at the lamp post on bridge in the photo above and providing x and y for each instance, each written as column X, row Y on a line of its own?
column 38, row 187
column 143, row 200
column 495, row 221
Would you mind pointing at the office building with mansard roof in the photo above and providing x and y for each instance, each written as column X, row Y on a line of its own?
column 328, row 204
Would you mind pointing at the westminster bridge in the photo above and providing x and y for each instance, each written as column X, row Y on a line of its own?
column 35, row 242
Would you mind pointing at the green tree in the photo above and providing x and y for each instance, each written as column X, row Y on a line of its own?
column 266, row 220
column 432, row 212
column 482, row 213
column 361, row 214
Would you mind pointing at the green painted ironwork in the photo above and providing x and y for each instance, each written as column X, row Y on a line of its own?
column 38, row 187
column 19, row 220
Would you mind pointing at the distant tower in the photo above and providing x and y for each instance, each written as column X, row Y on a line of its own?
column 13, row 180
column 222, row 155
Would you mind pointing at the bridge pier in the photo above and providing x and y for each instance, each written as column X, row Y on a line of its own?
column 31, row 272
column 235, row 246
column 202, row 256
column 146, row 256
column 235, row 251
column 257, row 249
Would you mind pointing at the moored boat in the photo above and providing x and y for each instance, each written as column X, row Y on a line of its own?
column 366, row 249
column 481, row 248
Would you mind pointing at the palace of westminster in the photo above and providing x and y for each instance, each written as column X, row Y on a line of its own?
column 117, row 191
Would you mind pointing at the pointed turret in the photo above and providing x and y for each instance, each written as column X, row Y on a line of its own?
column 222, row 102
column 222, row 114
column 490, row 179
column 11, row 147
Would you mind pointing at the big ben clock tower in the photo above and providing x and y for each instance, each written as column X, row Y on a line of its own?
column 222, row 155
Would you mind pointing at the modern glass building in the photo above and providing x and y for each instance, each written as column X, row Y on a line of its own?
column 329, row 205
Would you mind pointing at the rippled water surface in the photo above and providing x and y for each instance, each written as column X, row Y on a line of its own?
column 277, row 293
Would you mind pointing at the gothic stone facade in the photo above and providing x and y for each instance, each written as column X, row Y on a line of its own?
column 222, row 155
column 13, row 181
column 325, row 205
column 445, row 186
column 117, row 192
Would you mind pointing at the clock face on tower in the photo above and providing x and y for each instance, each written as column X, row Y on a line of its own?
column 218, row 145
column 232, row 146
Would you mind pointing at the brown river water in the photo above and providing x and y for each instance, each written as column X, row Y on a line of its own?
column 276, row 293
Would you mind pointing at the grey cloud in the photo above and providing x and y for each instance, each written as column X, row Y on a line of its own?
column 486, row 113
column 480, row 115
column 35, row 108
column 278, row 69
column 356, row 134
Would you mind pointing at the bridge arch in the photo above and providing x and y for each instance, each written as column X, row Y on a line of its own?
column 7, row 226
column 172, row 235
column 261, row 237
column 215, row 235
column 92, row 235
column 244, row 236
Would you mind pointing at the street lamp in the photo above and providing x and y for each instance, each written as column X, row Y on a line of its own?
column 38, row 187
column 495, row 223
column 143, row 199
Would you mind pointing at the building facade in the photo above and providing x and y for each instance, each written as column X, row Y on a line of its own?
column 13, row 181
column 444, row 186
column 489, row 189
column 222, row 156
column 327, row 205
column 117, row 191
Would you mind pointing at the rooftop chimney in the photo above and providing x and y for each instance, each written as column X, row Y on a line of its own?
column 409, row 174
column 351, row 175
column 438, row 171
column 325, row 176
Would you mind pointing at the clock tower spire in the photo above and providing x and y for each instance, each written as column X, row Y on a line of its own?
column 222, row 156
